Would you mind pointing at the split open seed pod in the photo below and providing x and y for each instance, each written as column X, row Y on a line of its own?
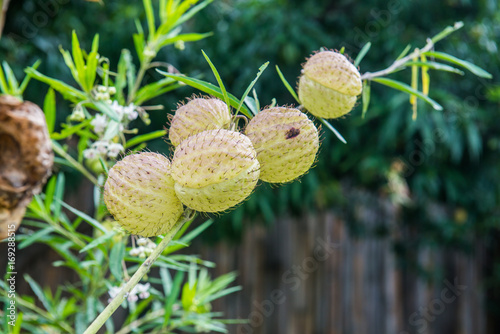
column 286, row 142
column 215, row 170
column 26, row 158
column 139, row 193
column 329, row 85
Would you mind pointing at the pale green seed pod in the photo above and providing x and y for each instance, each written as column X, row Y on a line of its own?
column 329, row 85
column 199, row 114
column 215, row 170
column 140, row 194
column 286, row 142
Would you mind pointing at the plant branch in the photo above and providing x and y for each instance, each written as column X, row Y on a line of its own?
column 401, row 63
column 4, row 4
column 139, row 274
column 398, row 64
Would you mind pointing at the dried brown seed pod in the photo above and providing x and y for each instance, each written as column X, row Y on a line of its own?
column 26, row 158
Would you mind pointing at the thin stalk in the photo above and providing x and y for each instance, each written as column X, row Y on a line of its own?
column 138, row 275
column 399, row 63
column 4, row 4
column 78, row 166
column 135, row 324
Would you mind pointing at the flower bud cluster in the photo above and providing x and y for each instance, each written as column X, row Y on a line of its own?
column 144, row 248
column 139, row 291
column 105, row 148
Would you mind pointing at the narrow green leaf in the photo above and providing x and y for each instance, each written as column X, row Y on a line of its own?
column 3, row 82
column 84, row 216
column 68, row 130
column 69, row 63
column 172, row 297
column 252, row 105
column 106, row 109
column 448, row 30
column 365, row 96
column 27, row 78
column 115, row 260
column 145, row 137
column 426, row 80
column 121, row 76
column 362, row 53
column 193, row 37
column 68, row 92
column 463, row 63
column 222, row 293
column 287, row 85
column 435, row 66
column 11, row 78
column 404, row 53
column 407, row 89
column 207, row 88
column 139, row 44
column 37, row 236
column 79, row 62
column 131, row 73
column 194, row 233
column 166, row 281
column 151, row 90
column 58, row 195
column 218, row 78
column 150, row 16
column 192, row 12
column 39, row 293
column 49, row 192
column 49, row 109
column 332, row 129
column 95, row 43
column 261, row 70
column 91, row 69
column 102, row 239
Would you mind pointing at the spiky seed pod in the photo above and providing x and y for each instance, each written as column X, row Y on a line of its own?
column 199, row 114
column 26, row 158
column 286, row 142
column 329, row 85
column 215, row 170
column 140, row 194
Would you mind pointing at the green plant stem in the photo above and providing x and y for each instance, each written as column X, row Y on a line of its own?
column 139, row 274
column 78, row 166
column 135, row 324
column 140, row 75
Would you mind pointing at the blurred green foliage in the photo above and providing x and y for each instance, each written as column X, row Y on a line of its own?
column 451, row 156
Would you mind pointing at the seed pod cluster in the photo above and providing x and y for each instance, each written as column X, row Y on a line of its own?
column 26, row 158
column 214, row 166
column 329, row 85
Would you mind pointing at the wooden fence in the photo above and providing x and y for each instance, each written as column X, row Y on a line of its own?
column 308, row 275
